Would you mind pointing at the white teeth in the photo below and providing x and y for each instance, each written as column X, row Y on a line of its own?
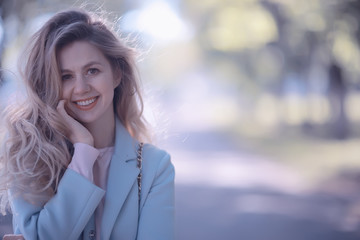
column 87, row 102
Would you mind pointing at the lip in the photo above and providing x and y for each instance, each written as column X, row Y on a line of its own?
column 86, row 104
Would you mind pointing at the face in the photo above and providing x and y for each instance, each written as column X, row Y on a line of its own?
column 88, row 83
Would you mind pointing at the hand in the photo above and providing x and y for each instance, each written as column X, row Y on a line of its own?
column 77, row 131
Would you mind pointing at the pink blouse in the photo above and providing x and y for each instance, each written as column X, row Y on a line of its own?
column 93, row 164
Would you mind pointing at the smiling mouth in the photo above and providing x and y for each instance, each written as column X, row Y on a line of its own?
column 86, row 104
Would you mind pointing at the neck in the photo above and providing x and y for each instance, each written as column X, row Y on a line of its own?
column 103, row 133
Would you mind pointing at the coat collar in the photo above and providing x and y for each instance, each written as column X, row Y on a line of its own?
column 121, row 178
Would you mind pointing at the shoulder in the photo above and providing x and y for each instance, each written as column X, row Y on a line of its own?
column 156, row 161
column 154, row 153
column 154, row 156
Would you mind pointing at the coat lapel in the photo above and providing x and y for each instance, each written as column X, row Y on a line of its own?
column 121, row 178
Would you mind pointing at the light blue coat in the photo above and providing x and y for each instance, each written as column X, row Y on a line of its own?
column 70, row 213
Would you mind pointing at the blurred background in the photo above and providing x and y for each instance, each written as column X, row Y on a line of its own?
column 256, row 100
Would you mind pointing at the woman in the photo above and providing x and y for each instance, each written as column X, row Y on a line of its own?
column 69, row 163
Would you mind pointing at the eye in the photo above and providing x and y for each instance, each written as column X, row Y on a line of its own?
column 92, row 71
column 66, row 77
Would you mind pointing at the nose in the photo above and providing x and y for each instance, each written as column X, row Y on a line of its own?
column 81, row 85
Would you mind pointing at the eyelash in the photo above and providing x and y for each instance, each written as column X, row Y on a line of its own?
column 66, row 77
column 92, row 70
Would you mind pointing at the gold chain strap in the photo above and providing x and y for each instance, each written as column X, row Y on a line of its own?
column 139, row 165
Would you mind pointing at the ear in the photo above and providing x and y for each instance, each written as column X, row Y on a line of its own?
column 117, row 79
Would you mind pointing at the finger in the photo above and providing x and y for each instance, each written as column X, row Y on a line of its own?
column 61, row 109
column 61, row 105
column 61, row 102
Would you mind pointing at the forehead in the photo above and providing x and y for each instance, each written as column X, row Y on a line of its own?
column 78, row 54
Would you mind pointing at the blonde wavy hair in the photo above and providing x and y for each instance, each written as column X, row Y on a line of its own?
column 35, row 151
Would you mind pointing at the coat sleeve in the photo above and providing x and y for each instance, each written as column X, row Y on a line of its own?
column 64, row 216
column 157, row 213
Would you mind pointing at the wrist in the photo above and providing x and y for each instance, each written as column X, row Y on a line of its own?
column 85, row 140
column 88, row 141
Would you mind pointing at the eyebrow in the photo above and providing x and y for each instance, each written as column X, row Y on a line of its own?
column 85, row 66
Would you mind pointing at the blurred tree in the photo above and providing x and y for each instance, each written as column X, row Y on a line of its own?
column 271, row 42
column 337, row 92
column 12, row 17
